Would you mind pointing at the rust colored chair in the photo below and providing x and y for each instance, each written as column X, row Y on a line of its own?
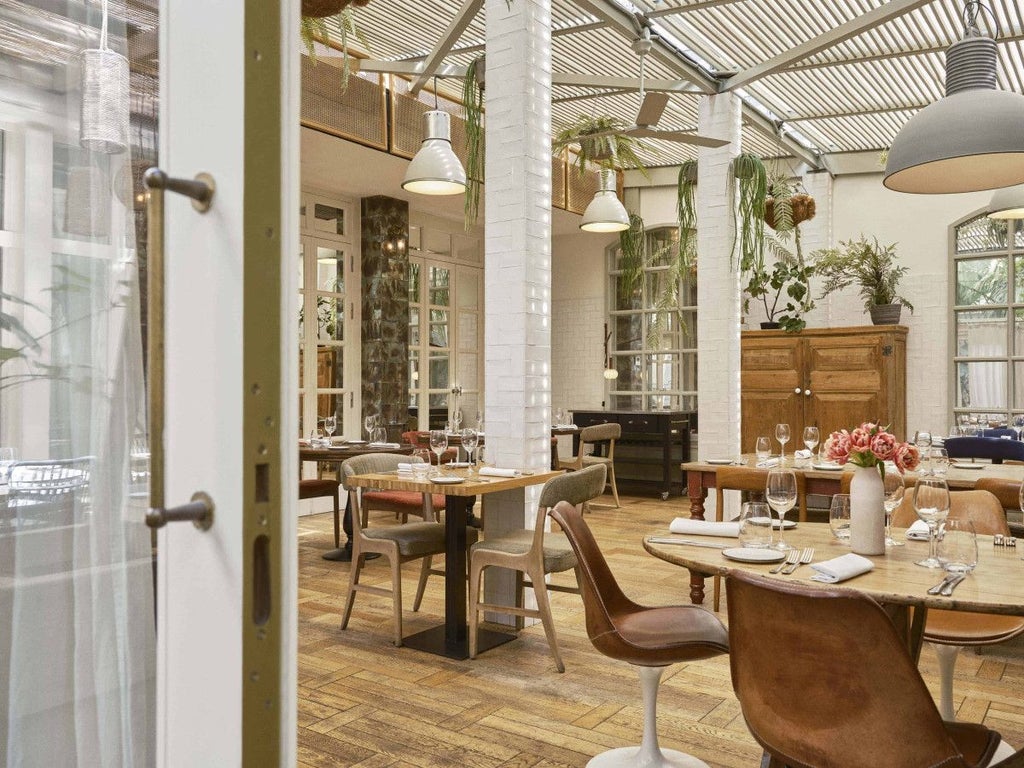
column 949, row 631
column 1008, row 493
column 824, row 681
column 420, row 439
column 597, row 433
column 324, row 488
column 649, row 638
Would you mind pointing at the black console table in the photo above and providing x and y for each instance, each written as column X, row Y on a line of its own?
column 652, row 446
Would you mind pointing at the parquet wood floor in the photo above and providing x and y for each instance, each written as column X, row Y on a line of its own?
column 363, row 702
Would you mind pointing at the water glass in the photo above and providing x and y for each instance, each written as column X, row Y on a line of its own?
column 317, row 439
column 940, row 461
column 438, row 443
column 811, row 439
column 894, row 489
column 469, row 442
column 421, row 466
column 782, row 435
column 958, row 548
column 780, row 492
column 839, row 516
column 923, row 441
column 931, row 502
column 762, row 449
column 755, row 525
column 379, row 435
column 330, row 425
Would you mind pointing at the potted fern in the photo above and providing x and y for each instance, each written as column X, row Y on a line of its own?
column 873, row 269
column 602, row 140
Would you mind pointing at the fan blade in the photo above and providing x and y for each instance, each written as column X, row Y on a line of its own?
column 683, row 137
column 650, row 111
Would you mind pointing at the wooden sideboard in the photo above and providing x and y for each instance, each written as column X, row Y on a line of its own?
column 832, row 378
column 652, row 446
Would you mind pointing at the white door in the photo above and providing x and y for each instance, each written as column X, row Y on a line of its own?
column 226, row 597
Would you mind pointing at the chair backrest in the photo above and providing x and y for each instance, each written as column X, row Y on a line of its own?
column 823, row 679
column 1000, row 432
column 373, row 463
column 983, row 509
column 57, row 489
column 754, row 480
column 994, row 448
column 600, row 433
column 1007, row 491
column 574, row 487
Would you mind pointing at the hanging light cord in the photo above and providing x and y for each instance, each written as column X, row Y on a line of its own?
column 972, row 8
column 103, row 27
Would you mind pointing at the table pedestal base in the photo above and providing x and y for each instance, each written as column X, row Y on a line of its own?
column 432, row 641
column 344, row 554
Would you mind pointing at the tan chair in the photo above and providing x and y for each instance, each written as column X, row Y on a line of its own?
column 948, row 631
column 533, row 553
column 851, row 697
column 648, row 638
column 598, row 433
column 398, row 543
column 324, row 488
column 1008, row 493
column 751, row 480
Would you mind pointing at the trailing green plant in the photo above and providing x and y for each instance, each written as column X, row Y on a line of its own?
column 751, row 181
column 473, row 102
column 602, row 141
column 686, row 210
column 871, row 267
column 632, row 243
column 788, row 280
column 313, row 28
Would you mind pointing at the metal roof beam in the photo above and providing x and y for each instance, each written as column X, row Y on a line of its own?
column 623, row 83
column 479, row 47
column 761, row 123
column 852, row 28
column 458, row 25
column 688, row 8
column 586, row 96
column 405, row 68
column 858, row 112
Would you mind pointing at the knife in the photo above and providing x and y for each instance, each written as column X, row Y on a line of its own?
column 951, row 585
column 942, row 584
column 690, row 542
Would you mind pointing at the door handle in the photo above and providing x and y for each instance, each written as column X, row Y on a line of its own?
column 200, row 190
column 199, row 511
column 807, row 392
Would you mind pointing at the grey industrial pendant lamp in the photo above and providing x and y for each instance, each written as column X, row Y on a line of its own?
column 605, row 213
column 434, row 169
column 970, row 140
column 1007, row 203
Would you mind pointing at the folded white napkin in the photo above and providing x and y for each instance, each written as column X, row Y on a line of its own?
column 384, row 445
column 768, row 462
column 918, row 531
column 841, row 568
column 498, row 472
column 704, row 527
column 803, row 453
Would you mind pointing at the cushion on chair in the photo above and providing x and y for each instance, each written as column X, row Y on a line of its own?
column 558, row 554
column 413, row 539
column 595, row 460
column 663, row 635
column 966, row 628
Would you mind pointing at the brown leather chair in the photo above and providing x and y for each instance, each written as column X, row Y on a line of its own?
column 649, row 638
column 324, row 488
column 420, row 439
column 597, row 433
column 535, row 553
column 824, row 681
column 951, row 630
column 1008, row 493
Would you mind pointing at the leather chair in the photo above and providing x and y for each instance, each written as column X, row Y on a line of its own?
column 995, row 449
column 534, row 553
column 597, row 433
column 650, row 638
column 824, row 680
column 420, row 439
column 948, row 631
column 324, row 488
column 1008, row 493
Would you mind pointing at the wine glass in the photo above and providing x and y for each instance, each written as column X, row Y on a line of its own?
column 457, row 420
column 839, row 517
column 931, row 502
column 893, row 487
column 469, row 442
column 369, row 423
column 923, row 441
column 782, row 435
column 762, row 449
column 330, row 424
column 780, row 493
column 558, row 417
column 438, row 443
column 811, row 439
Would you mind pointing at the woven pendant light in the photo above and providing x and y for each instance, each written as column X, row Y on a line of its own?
column 105, row 97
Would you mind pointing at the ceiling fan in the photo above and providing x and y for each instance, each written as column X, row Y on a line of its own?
column 652, row 105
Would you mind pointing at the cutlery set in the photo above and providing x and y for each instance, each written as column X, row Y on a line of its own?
column 947, row 585
column 794, row 559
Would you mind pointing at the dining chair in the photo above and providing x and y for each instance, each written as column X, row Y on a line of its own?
column 533, row 554
column 649, row 638
column 1008, row 493
column 949, row 631
column 750, row 480
column 1000, row 432
column 824, row 680
column 595, row 435
column 420, row 439
column 995, row 449
column 314, row 488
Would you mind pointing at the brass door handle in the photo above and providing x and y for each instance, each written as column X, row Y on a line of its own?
column 200, row 190
column 199, row 511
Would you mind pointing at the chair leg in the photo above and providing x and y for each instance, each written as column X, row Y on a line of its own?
column 337, row 521
column 947, row 661
column 615, row 490
column 475, row 574
column 421, row 586
column 396, row 596
column 353, row 579
column 540, row 591
column 718, row 593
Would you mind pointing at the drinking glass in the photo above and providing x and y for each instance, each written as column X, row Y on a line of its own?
column 940, row 461
column 931, row 502
column 780, row 492
column 958, row 549
column 923, row 441
column 782, row 435
column 839, row 516
column 316, row 438
column 811, row 439
column 559, row 418
column 379, row 435
column 330, row 424
column 370, row 422
column 894, row 489
column 469, row 442
column 762, row 449
column 755, row 525
column 1018, row 425
column 6, row 460
column 438, row 444
column 421, row 469
column 457, row 420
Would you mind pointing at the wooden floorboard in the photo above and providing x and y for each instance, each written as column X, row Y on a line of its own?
column 363, row 702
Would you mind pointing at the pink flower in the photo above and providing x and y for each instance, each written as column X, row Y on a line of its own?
column 860, row 440
column 837, row 447
column 883, row 446
column 906, row 457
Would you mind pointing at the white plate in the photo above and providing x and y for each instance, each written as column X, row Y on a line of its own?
column 828, row 467
column 720, row 461
column 447, row 480
column 458, row 464
column 752, row 555
column 962, row 465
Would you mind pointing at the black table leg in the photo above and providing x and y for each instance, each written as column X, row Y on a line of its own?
column 344, row 553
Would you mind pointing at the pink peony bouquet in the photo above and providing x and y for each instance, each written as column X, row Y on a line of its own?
column 870, row 445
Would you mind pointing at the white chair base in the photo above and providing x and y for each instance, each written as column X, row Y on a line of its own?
column 648, row 754
column 947, row 663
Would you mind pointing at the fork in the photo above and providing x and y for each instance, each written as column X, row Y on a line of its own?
column 791, row 558
column 805, row 557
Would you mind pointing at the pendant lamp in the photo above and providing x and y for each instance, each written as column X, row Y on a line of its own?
column 970, row 140
column 605, row 213
column 105, row 97
column 435, row 170
column 1007, row 203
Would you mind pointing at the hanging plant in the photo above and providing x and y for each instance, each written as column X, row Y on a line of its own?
column 751, row 179
column 686, row 211
column 321, row 8
column 631, row 242
column 473, row 102
column 313, row 27
column 602, row 141
column 785, row 207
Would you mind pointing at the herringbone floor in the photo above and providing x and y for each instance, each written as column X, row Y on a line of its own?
column 363, row 702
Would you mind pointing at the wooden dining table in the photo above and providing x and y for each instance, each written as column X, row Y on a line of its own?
column 995, row 586
column 499, row 495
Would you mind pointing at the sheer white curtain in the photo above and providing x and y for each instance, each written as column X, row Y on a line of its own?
column 77, row 634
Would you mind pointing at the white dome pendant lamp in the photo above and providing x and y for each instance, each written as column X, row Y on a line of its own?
column 605, row 212
column 434, row 169
column 970, row 140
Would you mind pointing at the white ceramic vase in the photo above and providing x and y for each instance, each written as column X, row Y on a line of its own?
column 867, row 512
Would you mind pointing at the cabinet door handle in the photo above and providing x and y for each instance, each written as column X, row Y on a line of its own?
column 807, row 392
column 796, row 391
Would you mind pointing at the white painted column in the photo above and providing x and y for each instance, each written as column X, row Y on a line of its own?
column 718, row 289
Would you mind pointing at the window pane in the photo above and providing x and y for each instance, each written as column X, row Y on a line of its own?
column 414, row 282
column 330, row 270
column 630, row 368
column 438, row 372
column 330, row 317
column 981, row 333
column 627, row 402
column 628, row 293
column 439, row 285
column 302, row 266
column 1018, row 279
column 628, row 332
column 414, row 327
column 981, row 385
column 414, row 376
column 981, row 281
column 981, row 234
column 663, row 372
column 327, row 218
column 81, row 194
column 438, row 328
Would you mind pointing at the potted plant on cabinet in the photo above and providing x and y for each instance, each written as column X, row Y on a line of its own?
column 873, row 269
column 787, row 280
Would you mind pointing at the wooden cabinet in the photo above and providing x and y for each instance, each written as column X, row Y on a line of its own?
column 832, row 378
